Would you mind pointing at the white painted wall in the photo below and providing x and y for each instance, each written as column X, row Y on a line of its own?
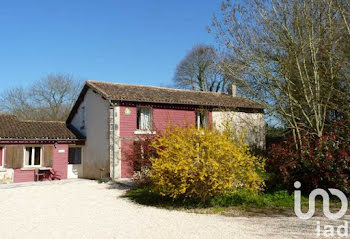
column 96, row 130
column 79, row 117
column 252, row 123
column 75, row 171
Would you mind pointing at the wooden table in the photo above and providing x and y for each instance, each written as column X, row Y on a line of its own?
column 41, row 172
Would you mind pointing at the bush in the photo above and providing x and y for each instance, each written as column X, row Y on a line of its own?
column 321, row 163
column 139, row 157
column 199, row 164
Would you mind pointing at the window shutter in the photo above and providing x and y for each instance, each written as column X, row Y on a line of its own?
column 14, row 156
column 48, row 155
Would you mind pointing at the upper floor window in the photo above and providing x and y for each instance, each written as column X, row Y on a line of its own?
column 144, row 118
column 202, row 119
column 32, row 156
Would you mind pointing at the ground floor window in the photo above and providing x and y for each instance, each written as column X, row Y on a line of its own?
column 74, row 155
column 32, row 156
column 1, row 157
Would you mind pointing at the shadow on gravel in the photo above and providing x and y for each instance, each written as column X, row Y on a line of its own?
column 118, row 185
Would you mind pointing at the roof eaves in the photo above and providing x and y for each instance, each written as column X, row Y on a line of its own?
column 41, row 139
column 184, row 103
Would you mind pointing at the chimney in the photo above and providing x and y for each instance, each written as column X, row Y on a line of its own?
column 233, row 90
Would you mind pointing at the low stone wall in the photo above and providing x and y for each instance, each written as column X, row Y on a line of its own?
column 6, row 176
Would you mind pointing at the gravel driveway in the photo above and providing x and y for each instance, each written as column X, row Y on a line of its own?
column 86, row 209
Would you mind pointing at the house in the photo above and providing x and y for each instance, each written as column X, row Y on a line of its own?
column 37, row 150
column 103, row 124
column 112, row 116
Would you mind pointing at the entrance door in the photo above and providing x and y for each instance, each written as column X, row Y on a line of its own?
column 75, row 167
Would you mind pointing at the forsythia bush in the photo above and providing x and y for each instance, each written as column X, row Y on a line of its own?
column 193, row 163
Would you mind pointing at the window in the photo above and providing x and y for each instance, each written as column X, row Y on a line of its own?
column 74, row 156
column 1, row 157
column 202, row 119
column 32, row 156
column 144, row 118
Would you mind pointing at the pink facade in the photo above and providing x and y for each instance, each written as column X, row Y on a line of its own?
column 21, row 176
column 162, row 117
column 60, row 164
column 60, row 160
column 126, row 165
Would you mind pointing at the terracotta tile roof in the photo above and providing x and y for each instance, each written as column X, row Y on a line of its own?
column 13, row 128
column 150, row 94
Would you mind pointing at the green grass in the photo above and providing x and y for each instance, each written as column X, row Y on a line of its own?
column 236, row 203
column 243, row 198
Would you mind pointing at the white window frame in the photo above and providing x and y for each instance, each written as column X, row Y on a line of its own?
column 140, row 131
column 2, row 157
column 198, row 118
column 33, row 156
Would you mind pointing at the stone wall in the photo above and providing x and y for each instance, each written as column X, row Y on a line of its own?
column 114, row 143
column 6, row 176
column 253, row 125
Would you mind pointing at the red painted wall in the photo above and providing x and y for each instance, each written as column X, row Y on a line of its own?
column 127, row 122
column 21, row 176
column 60, row 160
column 161, row 118
column 60, row 164
column 181, row 116
column 126, row 165
column 164, row 117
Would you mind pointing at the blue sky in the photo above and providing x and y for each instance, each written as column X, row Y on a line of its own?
column 138, row 42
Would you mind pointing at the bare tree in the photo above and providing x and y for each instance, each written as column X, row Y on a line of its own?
column 199, row 71
column 295, row 57
column 49, row 98
column 16, row 101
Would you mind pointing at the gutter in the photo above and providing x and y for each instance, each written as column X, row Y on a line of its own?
column 41, row 141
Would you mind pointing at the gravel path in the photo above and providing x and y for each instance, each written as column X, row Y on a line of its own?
column 86, row 209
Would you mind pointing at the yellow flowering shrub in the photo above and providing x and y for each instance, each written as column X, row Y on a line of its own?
column 194, row 163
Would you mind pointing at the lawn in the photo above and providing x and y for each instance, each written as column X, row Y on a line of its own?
column 239, row 203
